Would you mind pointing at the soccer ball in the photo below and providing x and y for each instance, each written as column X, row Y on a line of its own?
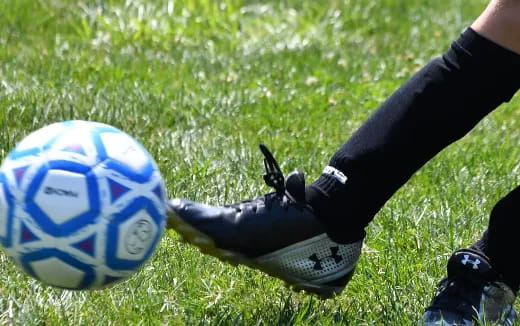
column 82, row 205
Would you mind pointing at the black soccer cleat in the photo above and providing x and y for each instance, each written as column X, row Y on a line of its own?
column 472, row 294
column 276, row 233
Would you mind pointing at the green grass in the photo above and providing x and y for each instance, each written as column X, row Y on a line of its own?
column 200, row 84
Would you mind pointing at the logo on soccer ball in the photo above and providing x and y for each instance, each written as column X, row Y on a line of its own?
column 138, row 237
column 60, row 192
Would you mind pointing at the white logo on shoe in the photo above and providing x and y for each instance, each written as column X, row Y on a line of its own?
column 475, row 262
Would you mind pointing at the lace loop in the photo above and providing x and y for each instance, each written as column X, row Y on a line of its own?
column 273, row 176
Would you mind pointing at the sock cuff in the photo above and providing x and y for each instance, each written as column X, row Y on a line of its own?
column 326, row 184
column 489, row 60
column 482, row 48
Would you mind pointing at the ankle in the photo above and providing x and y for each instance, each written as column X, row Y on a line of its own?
column 326, row 197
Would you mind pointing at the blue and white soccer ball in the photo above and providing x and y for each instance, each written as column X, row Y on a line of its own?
column 82, row 205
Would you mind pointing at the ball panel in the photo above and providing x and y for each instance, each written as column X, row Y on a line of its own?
column 87, row 245
column 19, row 173
column 57, row 268
column 92, row 125
column 137, row 229
column 156, row 191
column 124, row 154
column 117, row 189
column 37, row 140
column 26, row 235
column 159, row 189
column 136, row 236
column 75, row 145
column 58, row 273
column 63, row 197
column 6, row 212
column 125, row 150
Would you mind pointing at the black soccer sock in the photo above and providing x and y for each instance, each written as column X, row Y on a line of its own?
column 437, row 106
column 502, row 233
column 482, row 244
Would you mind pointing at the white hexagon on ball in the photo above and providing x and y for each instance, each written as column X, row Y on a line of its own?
column 58, row 273
column 124, row 149
column 136, row 235
column 75, row 145
column 3, row 212
column 63, row 195
column 41, row 136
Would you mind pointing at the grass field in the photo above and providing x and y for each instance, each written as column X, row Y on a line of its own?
column 200, row 84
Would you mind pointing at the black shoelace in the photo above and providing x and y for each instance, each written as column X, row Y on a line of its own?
column 274, row 178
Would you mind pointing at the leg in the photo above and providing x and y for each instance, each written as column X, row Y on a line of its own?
column 502, row 238
column 296, row 233
column 500, row 22
column 436, row 107
column 483, row 272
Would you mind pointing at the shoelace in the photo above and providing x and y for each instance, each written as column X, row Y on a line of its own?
column 274, row 178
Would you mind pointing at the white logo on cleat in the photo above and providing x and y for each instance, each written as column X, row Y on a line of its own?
column 475, row 263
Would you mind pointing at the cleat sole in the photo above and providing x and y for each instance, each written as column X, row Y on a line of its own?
column 206, row 245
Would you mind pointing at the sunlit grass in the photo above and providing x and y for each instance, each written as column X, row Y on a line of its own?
column 200, row 84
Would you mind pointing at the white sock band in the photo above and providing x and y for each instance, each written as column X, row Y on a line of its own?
column 337, row 174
